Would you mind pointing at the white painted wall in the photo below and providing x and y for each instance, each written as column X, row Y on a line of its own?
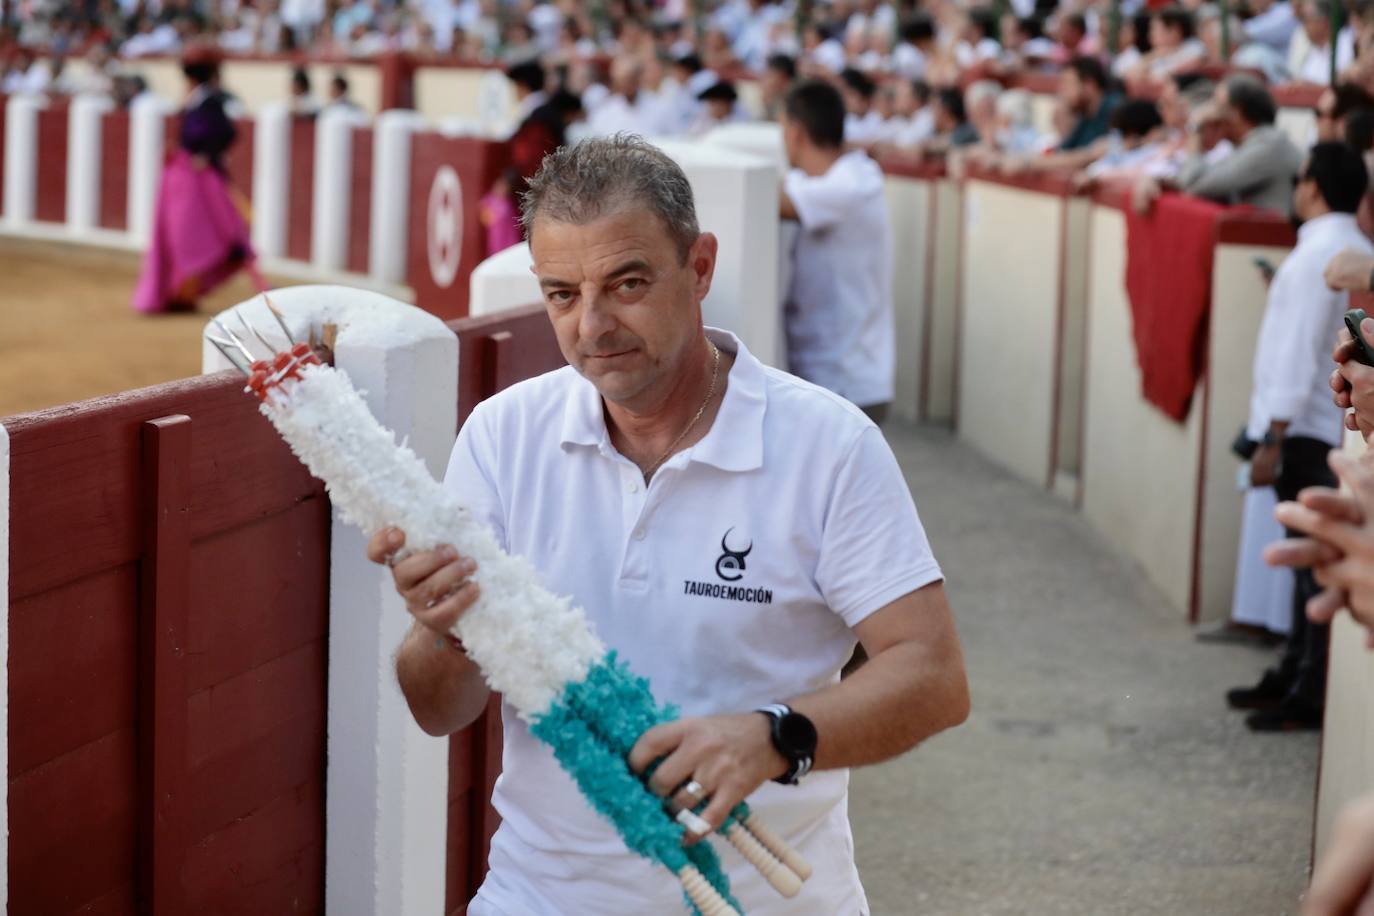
column 331, row 207
column 83, row 161
column 387, row 781
column 390, row 228
column 271, row 179
column 503, row 281
column 147, row 135
column 21, row 159
column 1140, row 468
column 909, row 208
column 1009, row 359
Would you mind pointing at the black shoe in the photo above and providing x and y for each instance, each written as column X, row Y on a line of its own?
column 1292, row 715
column 1267, row 694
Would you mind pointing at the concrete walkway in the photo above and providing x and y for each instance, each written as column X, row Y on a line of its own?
column 1100, row 772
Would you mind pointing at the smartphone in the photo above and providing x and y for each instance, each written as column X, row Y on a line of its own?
column 1265, row 266
column 1364, row 353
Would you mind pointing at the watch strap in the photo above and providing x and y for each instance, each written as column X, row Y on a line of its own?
column 797, row 766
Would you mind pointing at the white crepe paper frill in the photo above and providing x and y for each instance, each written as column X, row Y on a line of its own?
column 529, row 643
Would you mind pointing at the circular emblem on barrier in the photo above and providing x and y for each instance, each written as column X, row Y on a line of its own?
column 445, row 226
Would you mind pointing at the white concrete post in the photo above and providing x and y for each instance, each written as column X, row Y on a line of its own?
column 147, row 135
column 331, row 208
column 386, row 258
column 271, row 179
column 387, row 781
column 737, row 200
column 503, row 281
column 84, row 155
column 4, row 664
column 21, row 158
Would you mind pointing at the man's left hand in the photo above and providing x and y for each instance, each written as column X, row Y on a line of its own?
column 728, row 756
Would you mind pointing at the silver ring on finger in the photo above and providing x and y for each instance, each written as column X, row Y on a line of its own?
column 694, row 791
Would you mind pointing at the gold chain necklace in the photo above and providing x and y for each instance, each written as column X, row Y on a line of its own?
column 710, row 393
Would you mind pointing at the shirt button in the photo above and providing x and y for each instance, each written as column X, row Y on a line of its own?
column 639, row 534
column 633, row 486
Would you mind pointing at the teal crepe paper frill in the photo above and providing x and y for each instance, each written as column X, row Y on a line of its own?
column 591, row 730
column 620, row 707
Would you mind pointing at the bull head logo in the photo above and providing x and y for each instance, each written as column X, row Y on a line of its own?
column 730, row 566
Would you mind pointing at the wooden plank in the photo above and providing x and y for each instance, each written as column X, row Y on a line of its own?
column 260, row 590
column 162, row 714
column 301, row 190
column 269, row 862
column 487, row 745
column 118, row 902
column 73, row 666
column 534, row 350
column 238, row 782
column 78, row 512
column 114, row 171
column 243, row 710
column 238, row 160
column 360, row 202
column 497, row 353
column 72, row 827
column 458, row 883
column 50, row 204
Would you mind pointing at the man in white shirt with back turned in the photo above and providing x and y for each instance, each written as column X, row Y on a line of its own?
column 838, row 312
column 730, row 531
column 1292, row 417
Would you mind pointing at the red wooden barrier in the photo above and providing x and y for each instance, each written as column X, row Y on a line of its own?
column 114, row 171
column 448, row 176
column 300, row 190
column 168, row 620
column 168, row 626
column 360, row 202
column 50, row 205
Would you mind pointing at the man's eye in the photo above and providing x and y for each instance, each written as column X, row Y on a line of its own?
column 631, row 284
column 560, row 297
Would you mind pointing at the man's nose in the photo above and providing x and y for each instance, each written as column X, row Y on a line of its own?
column 597, row 319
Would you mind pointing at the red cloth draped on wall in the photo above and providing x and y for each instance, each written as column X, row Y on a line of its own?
column 1169, row 282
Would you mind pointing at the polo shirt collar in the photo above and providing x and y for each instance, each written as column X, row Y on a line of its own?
column 735, row 440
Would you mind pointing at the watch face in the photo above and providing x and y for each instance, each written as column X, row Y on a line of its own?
column 797, row 734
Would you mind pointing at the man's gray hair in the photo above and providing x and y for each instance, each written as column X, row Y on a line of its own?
column 600, row 177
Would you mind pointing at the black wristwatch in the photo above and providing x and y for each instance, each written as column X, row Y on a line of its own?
column 795, row 739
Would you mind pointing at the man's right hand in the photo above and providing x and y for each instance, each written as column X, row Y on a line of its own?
column 1353, row 382
column 435, row 584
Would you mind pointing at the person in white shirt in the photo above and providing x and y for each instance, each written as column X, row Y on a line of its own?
column 639, row 480
column 621, row 110
column 821, row 50
column 863, row 123
column 916, row 46
column 1292, row 417
column 838, row 312
column 1309, row 55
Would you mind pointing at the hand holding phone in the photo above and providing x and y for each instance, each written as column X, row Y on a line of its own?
column 1364, row 353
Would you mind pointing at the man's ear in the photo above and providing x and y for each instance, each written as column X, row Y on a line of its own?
column 702, row 259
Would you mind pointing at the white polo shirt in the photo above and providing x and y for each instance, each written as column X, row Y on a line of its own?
column 838, row 313
column 731, row 581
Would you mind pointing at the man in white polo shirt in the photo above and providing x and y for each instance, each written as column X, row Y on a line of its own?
column 839, row 309
column 730, row 531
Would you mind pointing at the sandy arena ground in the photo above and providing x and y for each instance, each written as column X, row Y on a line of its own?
column 67, row 332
